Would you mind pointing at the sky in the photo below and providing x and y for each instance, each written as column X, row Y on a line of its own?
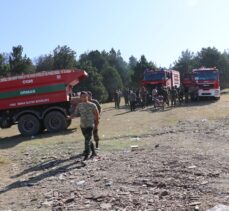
column 158, row 29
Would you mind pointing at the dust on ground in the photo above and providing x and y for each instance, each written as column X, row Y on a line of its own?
column 172, row 165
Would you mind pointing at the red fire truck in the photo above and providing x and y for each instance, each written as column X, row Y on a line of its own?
column 204, row 81
column 38, row 101
column 166, row 78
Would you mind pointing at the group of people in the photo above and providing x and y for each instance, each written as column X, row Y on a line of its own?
column 145, row 97
column 130, row 98
column 89, row 109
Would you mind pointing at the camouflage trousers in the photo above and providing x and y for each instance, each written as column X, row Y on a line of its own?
column 117, row 103
column 96, row 137
column 89, row 146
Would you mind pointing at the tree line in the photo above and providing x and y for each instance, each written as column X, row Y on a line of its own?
column 107, row 70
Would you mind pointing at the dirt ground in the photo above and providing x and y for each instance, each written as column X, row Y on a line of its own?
column 175, row 159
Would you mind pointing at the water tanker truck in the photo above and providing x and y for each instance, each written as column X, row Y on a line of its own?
column 38, row 101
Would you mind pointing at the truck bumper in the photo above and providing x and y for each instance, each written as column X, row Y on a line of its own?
column 209, row 93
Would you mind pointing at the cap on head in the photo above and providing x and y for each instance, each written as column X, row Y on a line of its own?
column 83, row 93
column 89, row 93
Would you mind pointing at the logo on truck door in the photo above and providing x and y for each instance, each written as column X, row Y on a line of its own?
column 27, row 92
column 37, row 90
column 27, row 81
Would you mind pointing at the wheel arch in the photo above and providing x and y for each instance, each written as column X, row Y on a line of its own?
column 18, row 115
column 53, row 108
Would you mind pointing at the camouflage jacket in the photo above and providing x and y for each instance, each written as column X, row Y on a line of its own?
column 86, row 111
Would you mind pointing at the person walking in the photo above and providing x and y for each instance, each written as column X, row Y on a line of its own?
column 89, row 119
column 95, row 130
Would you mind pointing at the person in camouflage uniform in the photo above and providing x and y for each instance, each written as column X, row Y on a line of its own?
column 89, row 119
column 165, row 94
column 180, row 94
column 95, row 130
column 173, row 96
column 117, row 99
column 133, row 99
column 143, row 96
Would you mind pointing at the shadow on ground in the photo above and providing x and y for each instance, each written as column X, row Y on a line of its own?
column 51, row 168
column 9, row 142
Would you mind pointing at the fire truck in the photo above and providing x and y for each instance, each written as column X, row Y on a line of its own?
column 204, row 81
column 38, row 101
column 165, row 78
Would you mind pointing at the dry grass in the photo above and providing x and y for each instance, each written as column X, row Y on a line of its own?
column 117, row 123
column 3, row 161
column 118, row 127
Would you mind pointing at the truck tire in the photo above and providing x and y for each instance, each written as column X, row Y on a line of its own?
column 55, row 121
column 29, row 125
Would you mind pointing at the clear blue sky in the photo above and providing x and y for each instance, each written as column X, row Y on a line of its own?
column 159, row 29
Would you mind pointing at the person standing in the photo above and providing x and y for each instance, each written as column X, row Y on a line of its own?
column 154, row 94
column 133, row 99
column 143, row 97
column 89, row 119
column 95, row 130
column 116, row 99
column 165, row 95
column 125, row 95
column 186, row 94
column 180, row 94
column 119, row 97
column 173, row 96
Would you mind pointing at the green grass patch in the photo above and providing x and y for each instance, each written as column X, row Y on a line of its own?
column 3, row 161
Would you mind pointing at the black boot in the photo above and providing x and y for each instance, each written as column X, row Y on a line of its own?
column 85, row 157
column 93, row 150
column 97, row 144
column 83, row 153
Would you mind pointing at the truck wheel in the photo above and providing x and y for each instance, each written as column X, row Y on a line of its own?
column 28, row 125
column 55, row 121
